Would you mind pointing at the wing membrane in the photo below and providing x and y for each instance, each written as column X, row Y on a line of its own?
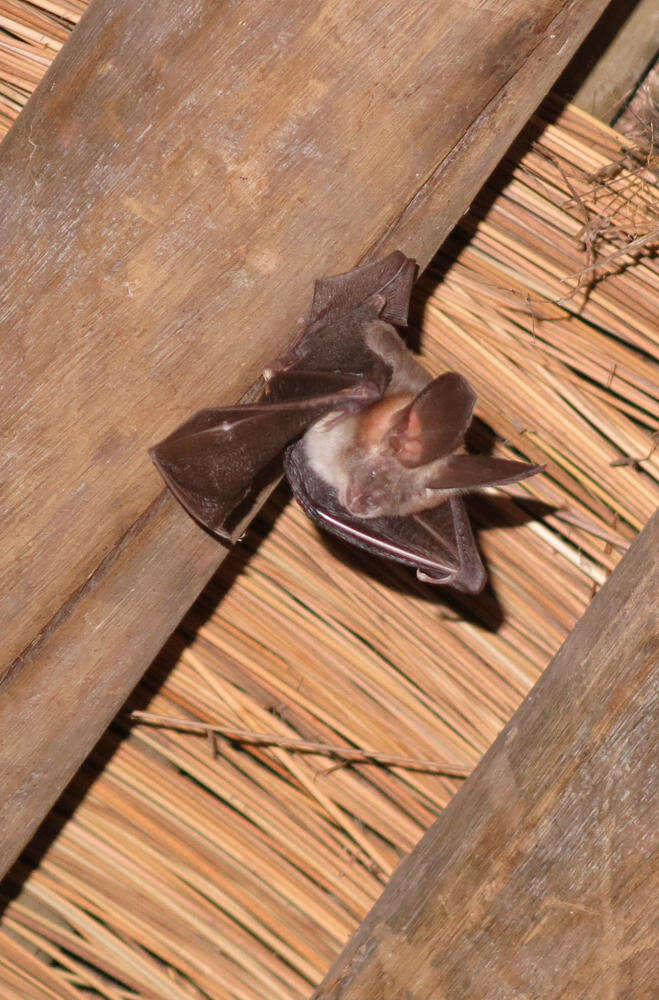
column 220, row 462
column 392, row 277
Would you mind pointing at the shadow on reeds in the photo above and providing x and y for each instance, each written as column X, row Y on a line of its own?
column 483, row 609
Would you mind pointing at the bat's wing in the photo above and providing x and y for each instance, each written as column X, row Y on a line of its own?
column 392, row 278
column 311, row 387
column 470, row 575
column 335, row 339
column 438, row 543
column 223, row 461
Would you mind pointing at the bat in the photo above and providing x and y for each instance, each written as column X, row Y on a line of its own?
column 371, row 444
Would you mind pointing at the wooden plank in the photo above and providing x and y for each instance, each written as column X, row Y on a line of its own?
column 536, row 880
column 166, row 199
column 613, row 59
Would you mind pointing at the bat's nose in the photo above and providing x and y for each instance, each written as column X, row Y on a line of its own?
column 366, row 500
column 357, row 501
column 360, row 501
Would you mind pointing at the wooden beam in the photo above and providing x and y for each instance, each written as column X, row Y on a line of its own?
column 536, row 880
column 166, row 199
column 613, row 59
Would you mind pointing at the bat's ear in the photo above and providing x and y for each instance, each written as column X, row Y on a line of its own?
column 435, row 422
column 471, row 472
column 392, row 277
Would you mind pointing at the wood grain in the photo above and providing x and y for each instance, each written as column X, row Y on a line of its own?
column 166, row 199
column 535, row 882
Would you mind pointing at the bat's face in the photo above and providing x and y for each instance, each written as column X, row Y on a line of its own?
column 359, row 456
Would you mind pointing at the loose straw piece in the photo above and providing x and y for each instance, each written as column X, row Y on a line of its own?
column 302, row 746
column 642, row 242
